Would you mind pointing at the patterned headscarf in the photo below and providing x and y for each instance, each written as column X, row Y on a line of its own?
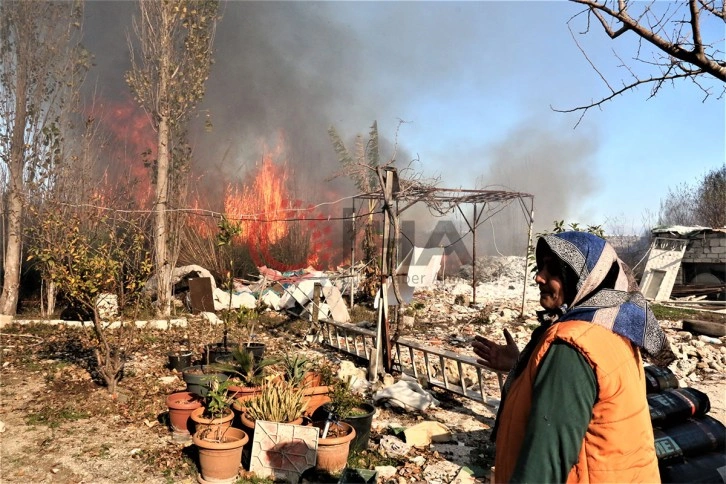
column 605, row 293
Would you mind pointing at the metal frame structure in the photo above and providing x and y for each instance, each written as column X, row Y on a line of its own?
column 443, row 201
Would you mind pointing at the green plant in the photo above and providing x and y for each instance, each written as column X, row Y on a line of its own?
column 245, row 368
column 364, row 459
column 326, row 372
column 295, row 368
column 278, row 402
column 344, row 401
column 217, row 401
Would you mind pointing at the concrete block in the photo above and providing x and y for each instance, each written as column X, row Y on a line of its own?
column 423, row 433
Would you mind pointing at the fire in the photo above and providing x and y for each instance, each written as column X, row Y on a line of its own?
column 131, row 140
column 269, row 220
column 261, row 206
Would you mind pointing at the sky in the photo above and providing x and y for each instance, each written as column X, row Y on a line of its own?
column 475, row 84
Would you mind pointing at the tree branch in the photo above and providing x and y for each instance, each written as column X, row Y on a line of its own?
column 678, row 56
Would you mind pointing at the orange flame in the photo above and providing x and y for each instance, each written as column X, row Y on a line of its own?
column 261, row 206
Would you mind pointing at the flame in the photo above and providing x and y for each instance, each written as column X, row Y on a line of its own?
column 268, row 214
column 261, row 206
column 130, row 136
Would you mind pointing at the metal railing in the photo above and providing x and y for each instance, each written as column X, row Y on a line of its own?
column 414, row 359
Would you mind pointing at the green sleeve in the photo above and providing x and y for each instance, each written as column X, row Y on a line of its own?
column 563, row 396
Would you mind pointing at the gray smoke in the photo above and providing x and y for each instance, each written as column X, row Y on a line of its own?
column 289, row 70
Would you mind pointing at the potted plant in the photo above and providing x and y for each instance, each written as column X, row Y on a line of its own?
column 302, row 372
column 296, row 368
column 220, row 454
column 247, row 373
column 350, row 407
column 277, row 402
column 220, row 445
column 333, row 445
column 180, row 359
column 247, row 317
column 197, row 377
column 215, row 414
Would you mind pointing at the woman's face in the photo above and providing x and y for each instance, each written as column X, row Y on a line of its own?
column 549, row 280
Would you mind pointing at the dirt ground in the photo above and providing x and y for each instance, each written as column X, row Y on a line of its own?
column 58, row 425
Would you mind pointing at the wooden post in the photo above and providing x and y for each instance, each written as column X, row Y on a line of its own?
column 382, row 329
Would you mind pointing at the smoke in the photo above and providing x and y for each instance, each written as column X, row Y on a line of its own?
column 554, row 164
column 285, row 72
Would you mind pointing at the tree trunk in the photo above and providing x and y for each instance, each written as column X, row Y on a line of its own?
column 11, row 286
column 50, row 297
column 161, row 218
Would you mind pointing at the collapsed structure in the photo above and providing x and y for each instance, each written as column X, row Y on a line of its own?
column 686, row 261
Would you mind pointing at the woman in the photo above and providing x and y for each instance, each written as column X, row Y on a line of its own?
column 573, row 406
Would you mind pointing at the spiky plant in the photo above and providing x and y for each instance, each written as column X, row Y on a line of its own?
column 278, row 402
column 245, row 368
column 295, row 368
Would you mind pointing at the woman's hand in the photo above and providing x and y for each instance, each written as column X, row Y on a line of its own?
column 495, row 356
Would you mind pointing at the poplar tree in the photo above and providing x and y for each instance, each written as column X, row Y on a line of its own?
column 170, row 61
column 42, row 64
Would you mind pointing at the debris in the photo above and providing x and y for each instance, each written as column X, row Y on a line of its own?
column 393, row 446
column 422, row 434
column 384, row 472
column 442, row 471
column 408, row 395
column 464, row 477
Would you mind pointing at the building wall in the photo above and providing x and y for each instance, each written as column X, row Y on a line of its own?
column 707, row 248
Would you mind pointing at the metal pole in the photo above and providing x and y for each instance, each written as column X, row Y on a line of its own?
column 473, row 262
column 526, row 253
column 352, row 259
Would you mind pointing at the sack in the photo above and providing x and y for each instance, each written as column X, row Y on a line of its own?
column 677, row 405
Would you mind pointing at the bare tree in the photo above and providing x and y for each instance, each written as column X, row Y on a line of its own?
column 711, row 199
column 686, row 40
column 678, row 207
column 174, row 57
column 699, row 204
column 41, row 66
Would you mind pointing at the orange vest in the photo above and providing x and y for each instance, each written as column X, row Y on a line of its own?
column 618, row 445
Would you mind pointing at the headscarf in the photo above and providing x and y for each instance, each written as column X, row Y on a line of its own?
column 605, row 292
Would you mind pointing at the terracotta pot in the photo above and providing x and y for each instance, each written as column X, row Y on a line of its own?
column 312, row 379
column 215, row 424
column 243, row 393
column 333, row 451
column 315, row 397
column 219, row 461
column 181, row 405
column 361, row 423
column 249, row 425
